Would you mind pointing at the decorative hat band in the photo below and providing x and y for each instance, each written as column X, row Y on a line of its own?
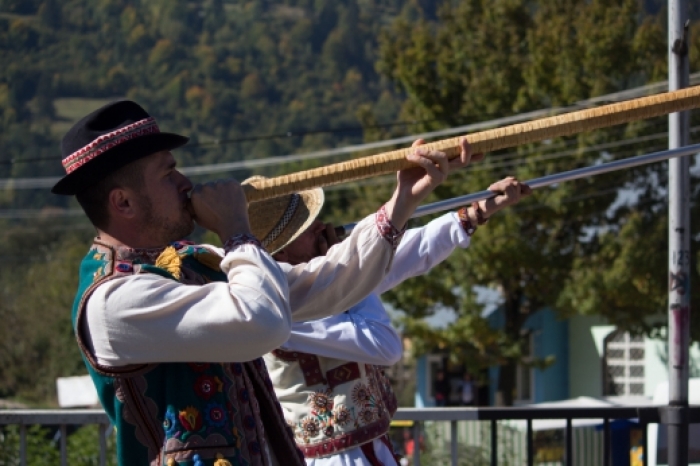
column 284, row 221
column 108, row 141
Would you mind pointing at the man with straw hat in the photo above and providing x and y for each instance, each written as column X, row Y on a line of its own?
column 172, row 333
column 329, row 375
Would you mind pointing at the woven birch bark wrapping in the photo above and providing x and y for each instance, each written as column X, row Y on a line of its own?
column 481, row 142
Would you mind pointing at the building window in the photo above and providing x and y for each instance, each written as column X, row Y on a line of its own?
column 623, row 364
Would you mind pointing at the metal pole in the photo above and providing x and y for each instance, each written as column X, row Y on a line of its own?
column 23, row 445
column 457, row 202
column 102, row 432
column 569, row 443
column 530, row 444
column 679, row 237
column 416, row 443
column 453, row 443
column 607, row 442
column 63, row 443
column 494, row 442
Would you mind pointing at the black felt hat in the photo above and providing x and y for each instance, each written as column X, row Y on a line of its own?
column 106, row 140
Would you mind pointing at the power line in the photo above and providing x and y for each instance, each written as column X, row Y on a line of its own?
column 48, row 214
column 518, row 208
column 46, row 182
column 499, row 163
column 40, row 213
column 58, row 213
column 289, row 134
column 595, row 148
column 515, row 162
column 286, row 134
column 607, row 98
column 569, row 143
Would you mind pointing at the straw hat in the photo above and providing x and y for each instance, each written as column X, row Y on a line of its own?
column 278, row 221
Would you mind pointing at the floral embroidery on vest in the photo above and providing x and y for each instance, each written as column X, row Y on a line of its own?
column 343, row 404
column 185, row 413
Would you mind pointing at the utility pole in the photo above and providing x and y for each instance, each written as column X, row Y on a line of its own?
column 676, row 414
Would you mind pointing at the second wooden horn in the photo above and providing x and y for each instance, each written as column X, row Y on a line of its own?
column 484, row 141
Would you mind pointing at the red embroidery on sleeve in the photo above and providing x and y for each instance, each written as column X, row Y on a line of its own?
column 387, row 229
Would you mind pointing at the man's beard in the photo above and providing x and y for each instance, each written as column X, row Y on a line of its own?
column 164, row 230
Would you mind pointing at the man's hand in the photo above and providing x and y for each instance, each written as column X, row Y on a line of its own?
column 509, row 192
column 327, row 238
column 221, row 206
column 416, row 183
column 465, row 155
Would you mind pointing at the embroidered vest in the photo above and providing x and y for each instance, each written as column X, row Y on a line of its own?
column 331, row 404
column 182, row 413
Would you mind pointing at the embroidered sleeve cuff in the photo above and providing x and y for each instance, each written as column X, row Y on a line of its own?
column 465, row 221
column 387, row 229
column 240, row 239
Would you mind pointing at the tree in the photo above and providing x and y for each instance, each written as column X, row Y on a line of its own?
column 485, row 59
column 185, row 62
column 627, row 265
column 50, row 14
column 37, row 339
column 313, row 64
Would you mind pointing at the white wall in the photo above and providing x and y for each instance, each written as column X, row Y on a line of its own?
column 585, row 352
column 656, row 363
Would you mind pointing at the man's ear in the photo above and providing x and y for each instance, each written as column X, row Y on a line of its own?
column 121, row 203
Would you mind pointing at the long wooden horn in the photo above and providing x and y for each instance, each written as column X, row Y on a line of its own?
column 484, row 141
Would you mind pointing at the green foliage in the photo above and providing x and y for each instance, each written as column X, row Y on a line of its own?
column 82, row 447
column 627, row 264
column 437, row 446
column 466, row 456
column 36, row 295
column 40, row 448
column 484, row 59
column 221, row 69
column 212, row 69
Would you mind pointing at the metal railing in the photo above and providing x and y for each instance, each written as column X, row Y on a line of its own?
column 644, row 415
column 57, row 417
